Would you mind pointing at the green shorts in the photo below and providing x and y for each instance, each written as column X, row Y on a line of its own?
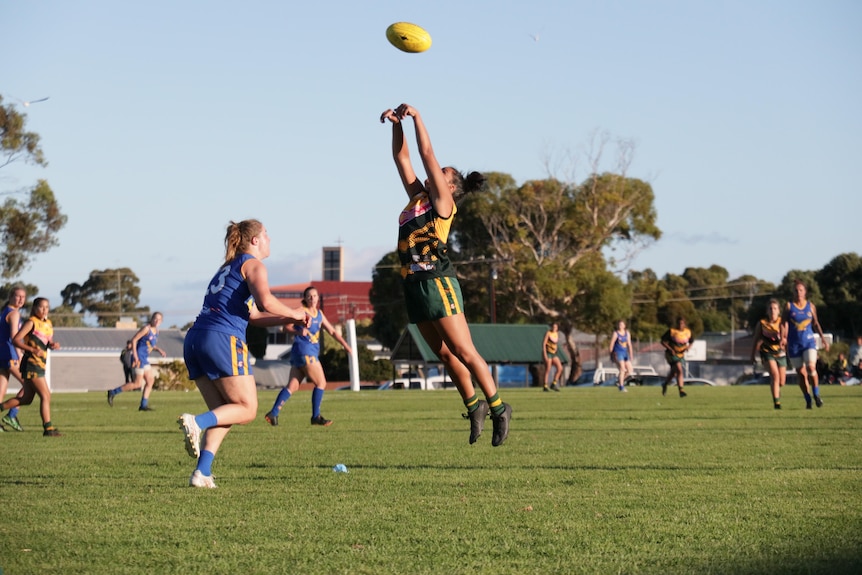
column 673, row 358
column 780, row 360
column 32, row 370
column 433, row 299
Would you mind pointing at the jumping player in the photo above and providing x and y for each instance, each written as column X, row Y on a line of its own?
column 431, row 290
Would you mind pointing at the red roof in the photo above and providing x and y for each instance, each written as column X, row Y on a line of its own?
column 340, row 301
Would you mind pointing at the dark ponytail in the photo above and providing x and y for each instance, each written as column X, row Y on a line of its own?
column 472, row 182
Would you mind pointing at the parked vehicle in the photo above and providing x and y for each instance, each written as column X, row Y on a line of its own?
column 402, row 383
column 608, row 375
column 762, row 378
column 651, row 380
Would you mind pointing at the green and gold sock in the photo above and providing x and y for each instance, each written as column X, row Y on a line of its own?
column 496, row 404
column 472, row 403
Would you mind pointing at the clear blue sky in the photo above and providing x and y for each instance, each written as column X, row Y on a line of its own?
column 167, row 119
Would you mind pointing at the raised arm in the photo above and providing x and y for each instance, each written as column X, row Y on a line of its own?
column 440, row 190
column 401, row 155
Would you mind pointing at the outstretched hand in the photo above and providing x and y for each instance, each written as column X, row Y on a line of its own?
column 406, row 110
column 389, row 115
column 395, row 116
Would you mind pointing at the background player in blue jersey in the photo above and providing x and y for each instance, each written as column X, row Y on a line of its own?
column 10, row 359
column 143, row 344
column 622, row 353
column 800, row 315
column 304, row 359
column 215, row 350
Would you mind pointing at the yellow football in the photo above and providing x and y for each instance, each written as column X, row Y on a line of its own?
column 408, row 37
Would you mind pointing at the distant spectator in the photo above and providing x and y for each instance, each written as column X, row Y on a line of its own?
column 840, row 369
column 127, row 357
column 856, row 358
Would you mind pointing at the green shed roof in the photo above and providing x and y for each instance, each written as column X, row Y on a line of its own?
column 496, row 343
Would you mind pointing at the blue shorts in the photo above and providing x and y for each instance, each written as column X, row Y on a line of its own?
column 9, row 364
column 8, row 354
column 215, row 354
column 299, row 360
column 621, row 356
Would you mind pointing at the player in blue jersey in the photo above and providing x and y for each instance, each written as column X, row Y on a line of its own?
column 215, row 350
column 10, row 360
column 304, row 359
column 800, row 317
column 431, row 289
column 622, row 353
column 143, row 344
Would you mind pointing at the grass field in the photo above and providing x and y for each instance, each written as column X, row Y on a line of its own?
column 590, row 481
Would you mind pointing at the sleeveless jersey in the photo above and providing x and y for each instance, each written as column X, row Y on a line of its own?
column 800, row 335
column 308, row 345
column 551, row 345
column 771, row 332
column 41, row 336
column 422, row 236
column 228, row 301
column 621, row 344
column 678, row 339
column 8, row 352
column 146, row 345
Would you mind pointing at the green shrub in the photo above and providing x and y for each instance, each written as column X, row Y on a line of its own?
column 173, row 376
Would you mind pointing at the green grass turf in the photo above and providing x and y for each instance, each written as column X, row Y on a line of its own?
column 590, row 481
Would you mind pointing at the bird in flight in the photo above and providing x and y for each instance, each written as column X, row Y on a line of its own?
column 26, row 103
